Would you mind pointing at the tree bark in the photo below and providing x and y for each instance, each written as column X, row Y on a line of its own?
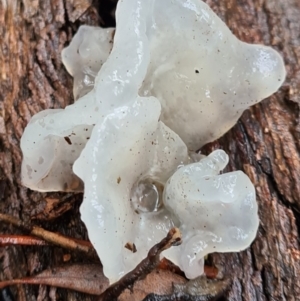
column 264, row 143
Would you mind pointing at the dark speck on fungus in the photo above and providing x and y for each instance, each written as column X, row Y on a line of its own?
column 68, row 140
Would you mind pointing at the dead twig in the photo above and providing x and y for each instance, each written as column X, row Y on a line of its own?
column 8, row 240
column 144, row 267
column 50, row 237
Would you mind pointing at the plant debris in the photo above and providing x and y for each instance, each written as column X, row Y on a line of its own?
column 85, row 278
column 8, row 240
column 199, row 289
column 144, row 267
column 145, row 281
column 50, row 237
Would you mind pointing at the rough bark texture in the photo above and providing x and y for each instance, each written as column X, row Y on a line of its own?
column 265, row 143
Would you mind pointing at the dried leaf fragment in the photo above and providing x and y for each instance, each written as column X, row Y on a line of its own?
column 85, row 278
column 199, row 289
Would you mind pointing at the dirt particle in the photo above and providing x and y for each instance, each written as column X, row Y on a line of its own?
column 68, row 140
column 131, row 247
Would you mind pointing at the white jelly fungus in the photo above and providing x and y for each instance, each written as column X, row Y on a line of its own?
column 172, row 78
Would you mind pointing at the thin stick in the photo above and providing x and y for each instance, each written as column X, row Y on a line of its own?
column 51, row 237
column 142, row 269
column 8, row 240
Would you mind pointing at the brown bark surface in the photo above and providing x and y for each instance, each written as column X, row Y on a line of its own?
column 265, row 142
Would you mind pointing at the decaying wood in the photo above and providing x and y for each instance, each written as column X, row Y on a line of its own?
column 265, row 143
